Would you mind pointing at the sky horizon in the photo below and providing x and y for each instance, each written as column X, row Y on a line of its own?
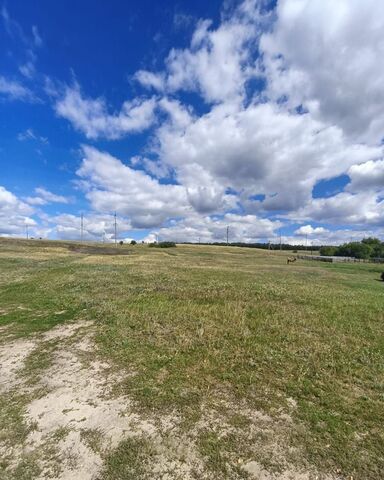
column 186, row 117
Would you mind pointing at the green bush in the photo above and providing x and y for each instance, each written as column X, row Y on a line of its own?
column 163, row 244
column 328, row 251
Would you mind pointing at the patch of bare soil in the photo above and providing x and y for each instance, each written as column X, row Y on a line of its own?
column 12, row 356
column 77, row 422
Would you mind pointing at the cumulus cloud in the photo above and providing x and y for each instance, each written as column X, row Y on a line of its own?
column 96, row 227
column 326, row 55
column 361, row 208
column 332, row 237
column 150, row 79
column 368, row 175
column 309, row 230
column 113, row 186
column 314, row 114
column 242, row 228
column 92, row 117
column 14, row 214
column 260, row 149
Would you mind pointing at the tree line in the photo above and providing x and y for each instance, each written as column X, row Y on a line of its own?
column 368, row 248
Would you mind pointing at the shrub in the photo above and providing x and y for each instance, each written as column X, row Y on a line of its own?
column 328, row 251
column 121, row 242
column 163, row 244
column 382, row 276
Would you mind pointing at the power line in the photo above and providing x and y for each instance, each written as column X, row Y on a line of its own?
column 82, row 227
column 115, row 229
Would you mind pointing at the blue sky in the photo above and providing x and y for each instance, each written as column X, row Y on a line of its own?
column 188, row 117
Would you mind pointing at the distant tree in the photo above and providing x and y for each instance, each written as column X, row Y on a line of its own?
column 162, row 244
column 328, row 251
column 355, row 249
column 371, row 241
column 121, row 242
column 133, row 242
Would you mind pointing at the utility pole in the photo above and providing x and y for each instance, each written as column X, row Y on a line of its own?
column 227, row 234
column 82, row 227
column 306, row 242
column 280, row 239
column 26, row 230
column 115, row 230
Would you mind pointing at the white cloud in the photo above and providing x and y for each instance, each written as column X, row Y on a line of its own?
column 242, row 228
column 261, row 149
column 91, row 116
column 29, row 134
column 14, row 214
column 150, row 80
column 96, row 227
column 361, row 208
column 332, row 237
column 309, row 230
column 113, row 186
column 369, row 175
column 218, row 62
column 327, row 55
column 44, row 197
column 14, row 90
column 319, row 54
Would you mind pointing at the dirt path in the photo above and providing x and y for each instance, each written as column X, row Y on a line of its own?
column 73, row 422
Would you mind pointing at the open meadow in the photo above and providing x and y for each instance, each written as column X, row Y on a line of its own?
column 194, row 362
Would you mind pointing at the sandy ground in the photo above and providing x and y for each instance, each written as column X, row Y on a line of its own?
column 73, row 401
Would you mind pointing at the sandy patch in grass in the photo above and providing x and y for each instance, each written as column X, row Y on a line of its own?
column 74, row 403
column 78, row 424
column 12, row 357
column 79, row 401
column 66, row 330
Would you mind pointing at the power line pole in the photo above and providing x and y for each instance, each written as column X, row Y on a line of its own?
column 115, row 230
column 227, row 234
column 306, row 242
column 26, row 230
column 82, row 227
column 280, row 239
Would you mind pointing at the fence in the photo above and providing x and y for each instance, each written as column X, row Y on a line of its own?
column 336, row 259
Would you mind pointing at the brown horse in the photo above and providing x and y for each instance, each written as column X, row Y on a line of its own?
column 291, row 260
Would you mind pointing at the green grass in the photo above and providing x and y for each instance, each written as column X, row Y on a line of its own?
column 223, row 322
column 129, row 461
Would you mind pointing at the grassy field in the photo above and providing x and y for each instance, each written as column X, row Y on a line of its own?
column 197, row 329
